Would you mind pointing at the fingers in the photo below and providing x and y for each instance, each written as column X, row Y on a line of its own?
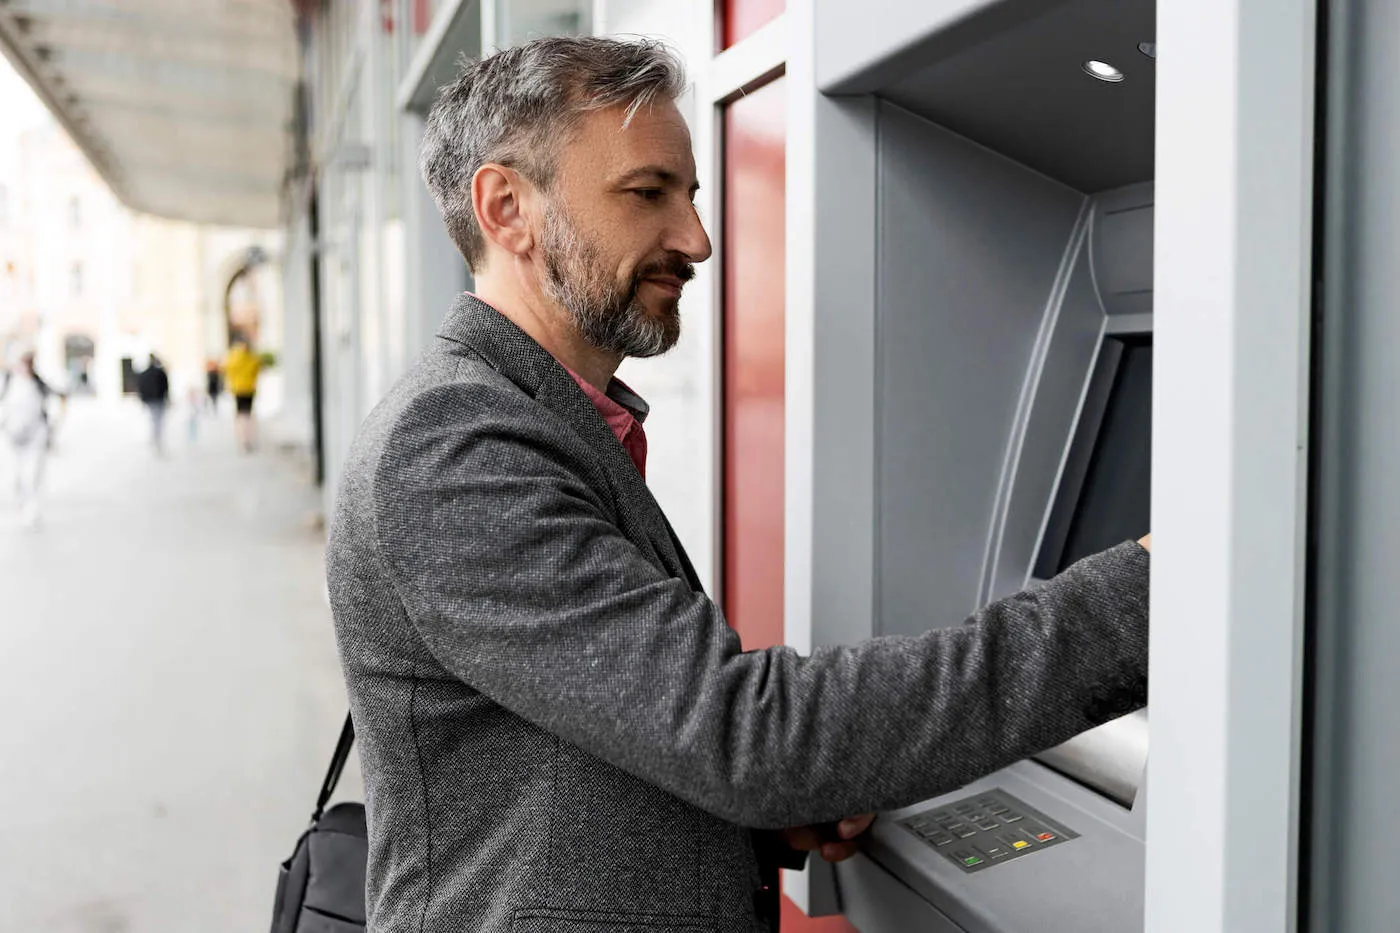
column 819, row 838
column 839, row 851
column 850, row 829
column 803, row 838
column 853, row 826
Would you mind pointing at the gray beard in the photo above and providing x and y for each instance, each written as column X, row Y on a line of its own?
column 609, row 316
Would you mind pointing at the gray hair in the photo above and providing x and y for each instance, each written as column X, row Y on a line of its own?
column 517, row 107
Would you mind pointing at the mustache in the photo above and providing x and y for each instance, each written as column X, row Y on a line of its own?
column 673, row 266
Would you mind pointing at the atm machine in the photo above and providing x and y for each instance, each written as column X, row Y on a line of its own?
column 1009, row 161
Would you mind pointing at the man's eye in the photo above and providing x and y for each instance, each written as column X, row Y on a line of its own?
column 648, row 194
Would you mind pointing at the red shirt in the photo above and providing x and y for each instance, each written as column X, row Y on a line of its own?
column 624, row 411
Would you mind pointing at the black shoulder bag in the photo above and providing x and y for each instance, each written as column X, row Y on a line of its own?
column 321, row 888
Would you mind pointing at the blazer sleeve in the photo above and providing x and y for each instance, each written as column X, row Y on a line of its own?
column 511, row 565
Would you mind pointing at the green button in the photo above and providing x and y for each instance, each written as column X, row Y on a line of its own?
column 972, row 860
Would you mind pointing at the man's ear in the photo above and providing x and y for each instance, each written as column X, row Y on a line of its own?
column 497, row 198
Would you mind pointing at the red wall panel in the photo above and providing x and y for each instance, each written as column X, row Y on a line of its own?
column 754, row 225
column 755, row 174
column 741, row 18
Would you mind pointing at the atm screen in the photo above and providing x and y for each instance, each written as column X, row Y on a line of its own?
column 1105, row 494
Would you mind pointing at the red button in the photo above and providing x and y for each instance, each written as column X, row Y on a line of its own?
column 1045, row 837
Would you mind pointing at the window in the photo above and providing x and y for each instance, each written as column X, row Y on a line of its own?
column 75, row 213
column 75, row 280
column 519, row 21
column 739, row 19
column 1105, row 496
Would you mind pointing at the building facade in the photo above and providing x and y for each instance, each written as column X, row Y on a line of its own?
column 93, row 288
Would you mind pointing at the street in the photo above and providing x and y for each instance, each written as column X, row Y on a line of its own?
column 169, row 689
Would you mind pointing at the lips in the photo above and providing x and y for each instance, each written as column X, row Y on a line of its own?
column 668, row 283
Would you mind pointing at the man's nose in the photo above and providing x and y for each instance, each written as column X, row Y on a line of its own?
column 690, row 238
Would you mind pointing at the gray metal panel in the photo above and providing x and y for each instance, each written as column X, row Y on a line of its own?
column 970, row 248
column 1122, row 249
column 1092, row 884
column 1024, row 93
column 862, row 47
column 844, row 429
column 1047, row 425
column 873, row 899
column 1356, row 757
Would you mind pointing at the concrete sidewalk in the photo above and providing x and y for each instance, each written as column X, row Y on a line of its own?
column 169, row 689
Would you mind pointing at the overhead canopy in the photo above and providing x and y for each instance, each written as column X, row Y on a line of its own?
column 185, row 107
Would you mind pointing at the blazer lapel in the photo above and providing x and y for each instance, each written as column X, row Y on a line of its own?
column 517, row 356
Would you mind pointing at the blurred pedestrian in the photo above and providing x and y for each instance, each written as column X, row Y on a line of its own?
column 241, row 369
column 214, row 383
column 196, row 404
column 25, row 424
column 153, row 387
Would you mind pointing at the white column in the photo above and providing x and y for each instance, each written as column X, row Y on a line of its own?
column 1233, row 242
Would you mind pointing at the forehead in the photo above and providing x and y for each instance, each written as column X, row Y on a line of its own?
column 602, row 148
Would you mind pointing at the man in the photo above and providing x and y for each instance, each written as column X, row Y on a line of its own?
column 213, row 383
column 153, row 388
column 558, row 730
column 24, row 420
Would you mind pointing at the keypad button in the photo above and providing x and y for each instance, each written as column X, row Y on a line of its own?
column 984, row 831
column 968, row 858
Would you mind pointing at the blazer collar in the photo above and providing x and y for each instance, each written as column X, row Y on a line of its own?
column 517, row 356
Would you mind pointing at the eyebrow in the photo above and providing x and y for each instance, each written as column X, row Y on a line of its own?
column 663, row 175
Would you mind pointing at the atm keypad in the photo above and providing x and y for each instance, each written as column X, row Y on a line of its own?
column 988, row 829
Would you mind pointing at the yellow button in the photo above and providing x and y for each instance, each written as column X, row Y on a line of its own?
column 1020, row 844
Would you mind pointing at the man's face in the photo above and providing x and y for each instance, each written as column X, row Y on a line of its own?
column 620, row 233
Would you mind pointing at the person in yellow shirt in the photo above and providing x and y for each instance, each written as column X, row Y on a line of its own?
column 241, row 370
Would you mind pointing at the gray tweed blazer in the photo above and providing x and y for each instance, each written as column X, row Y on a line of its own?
column 558, row 731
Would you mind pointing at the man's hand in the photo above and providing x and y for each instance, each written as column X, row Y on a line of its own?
column 1146, row 542
column 835, row 841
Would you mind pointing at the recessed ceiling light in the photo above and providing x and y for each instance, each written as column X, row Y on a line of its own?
column 1103, row 71
column 1149, row 49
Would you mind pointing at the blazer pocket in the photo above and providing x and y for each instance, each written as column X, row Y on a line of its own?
column 313, row 921
column 552, row 920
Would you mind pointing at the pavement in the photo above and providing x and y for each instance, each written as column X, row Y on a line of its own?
column 169, row 689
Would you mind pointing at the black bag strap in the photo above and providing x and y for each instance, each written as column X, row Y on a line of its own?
column 342, row 755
